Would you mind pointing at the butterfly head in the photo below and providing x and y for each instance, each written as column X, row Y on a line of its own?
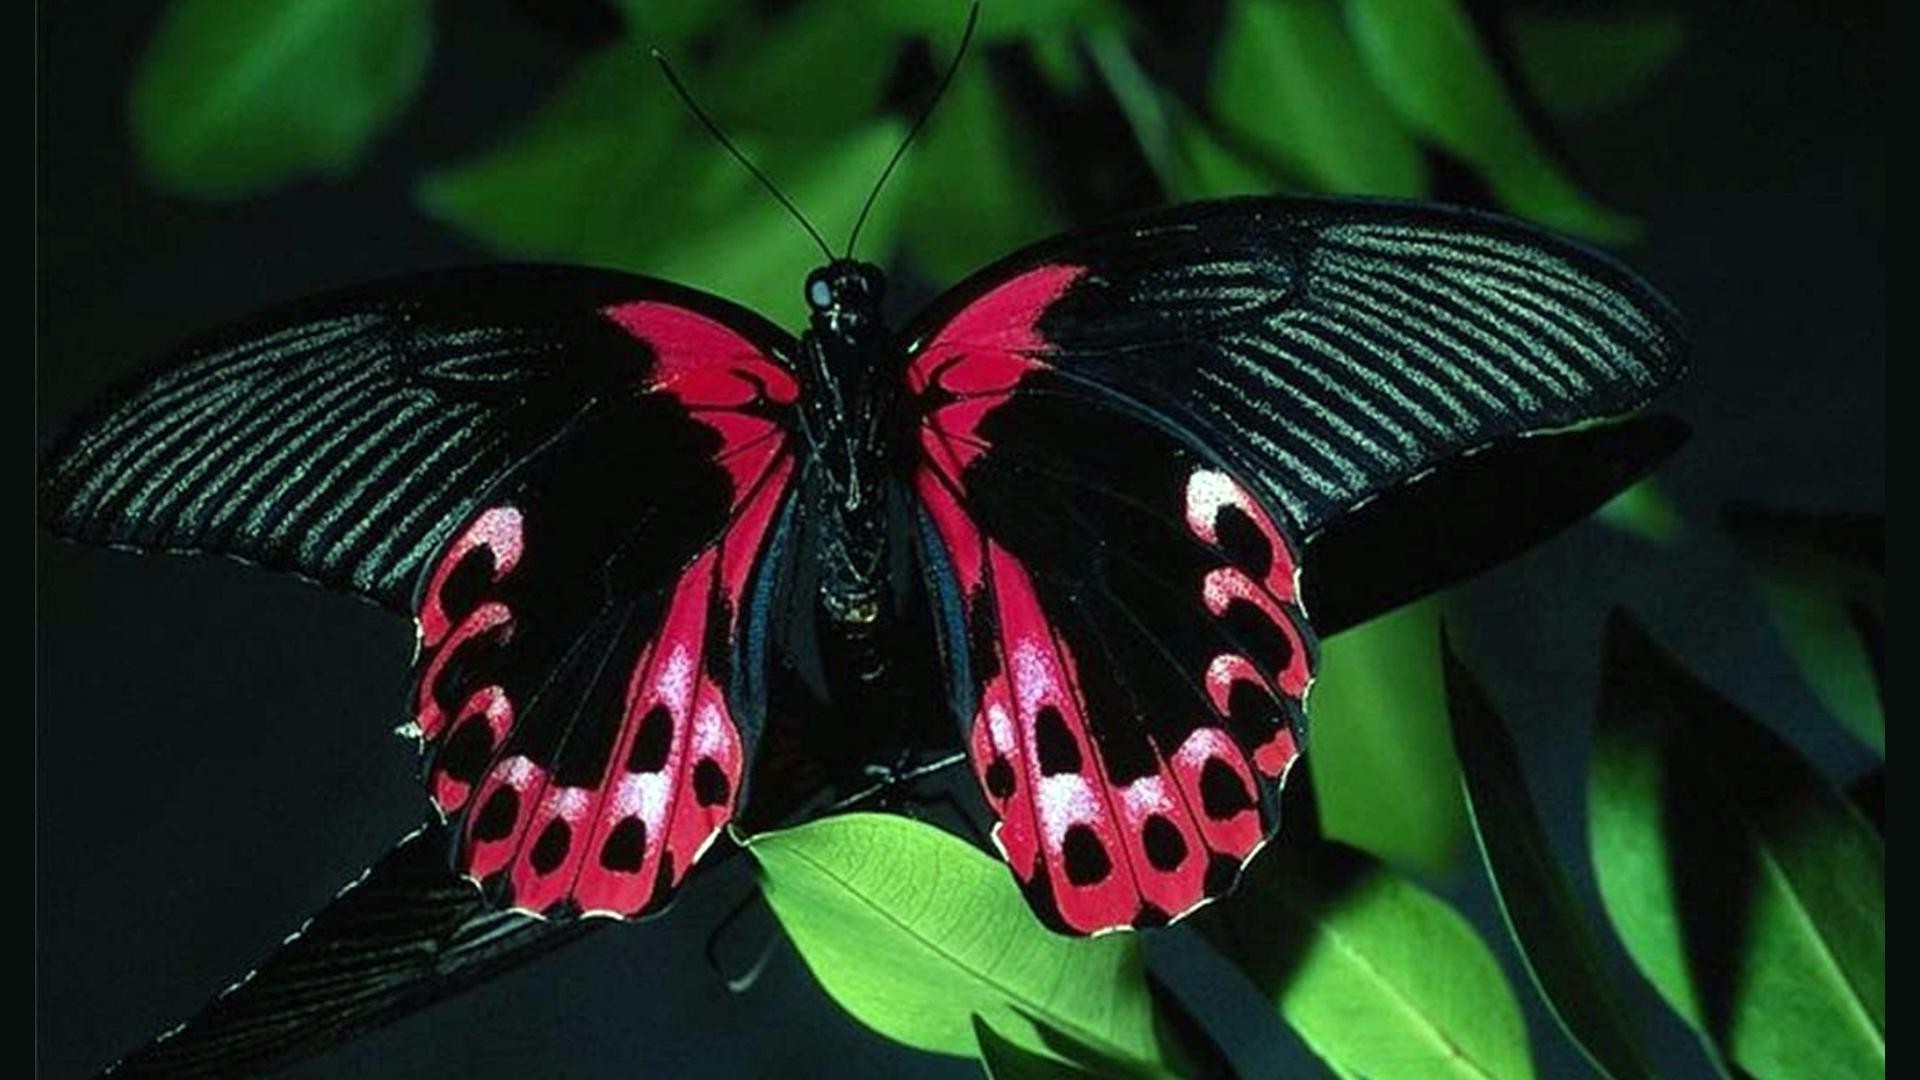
column 845, row 294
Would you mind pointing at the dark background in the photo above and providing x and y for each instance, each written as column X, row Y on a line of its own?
column 213, row 749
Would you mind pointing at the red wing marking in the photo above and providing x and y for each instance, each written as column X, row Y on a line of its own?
column 974, row 362
column 619, row 846
column 1274, row 595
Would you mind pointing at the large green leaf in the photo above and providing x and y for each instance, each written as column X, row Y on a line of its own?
column 611, row 173
column 1427, row 60
column 1380, row 977
column 1748, row 891
column 1383, row 763
column 915, row 932
column 974, row 195
column 1290, row 83
column 1554, row 938
column 1823, row 579
column 1583, row 62
column 233, row 96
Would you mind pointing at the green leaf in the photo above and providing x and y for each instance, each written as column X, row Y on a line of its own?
column 1383, row 762
column 944, row 19
column 1645, row 511
column 610, row 173
column 1005, row 1060
column 1554, row 938
column 1380, row 977
column 1822, row 577
column 1578, row 63
column 1426, row 59
column 1189, row 160
column 1290, row 83
column 842, row 60
column 915, row 932
column 973, row 195
column 672, row 24
column 1746, row 889
column 236, row 96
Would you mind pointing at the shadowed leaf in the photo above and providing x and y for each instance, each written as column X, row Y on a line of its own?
column 973, row 195
column 234, row 96
column 1747, row 890
column 1823, row 579
column 1188, row 159
column 1290, row 83
column 1004, row 1060
column 1578, row 63
column 1428, row 62
column 915, row 932
column 1546, row 922
column 1645, row 511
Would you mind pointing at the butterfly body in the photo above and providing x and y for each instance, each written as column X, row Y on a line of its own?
column 636, row 524
column 854, row 434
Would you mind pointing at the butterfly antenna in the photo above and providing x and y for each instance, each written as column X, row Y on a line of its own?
column 721, row 137
column 966, row 39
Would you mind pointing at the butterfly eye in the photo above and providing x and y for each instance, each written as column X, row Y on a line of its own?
column 819, row 293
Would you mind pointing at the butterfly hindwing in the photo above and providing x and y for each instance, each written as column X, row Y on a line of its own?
column 584, row 678
column 1133, row 659
column 1122, row 434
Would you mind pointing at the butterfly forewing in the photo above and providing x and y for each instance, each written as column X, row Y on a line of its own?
column 1122, row 433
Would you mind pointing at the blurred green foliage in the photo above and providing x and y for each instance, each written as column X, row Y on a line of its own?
column 920, row 935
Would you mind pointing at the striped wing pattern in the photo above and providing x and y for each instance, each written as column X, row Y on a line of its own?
column 346, row 438
column 1337, row 349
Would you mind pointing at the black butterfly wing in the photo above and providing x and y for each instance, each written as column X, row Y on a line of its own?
column 408, row 933
column 1124, row 431
column 575, row 481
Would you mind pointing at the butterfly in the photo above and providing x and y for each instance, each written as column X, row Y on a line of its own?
column 632, row 522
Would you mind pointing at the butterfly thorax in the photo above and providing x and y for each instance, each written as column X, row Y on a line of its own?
column 850, row 422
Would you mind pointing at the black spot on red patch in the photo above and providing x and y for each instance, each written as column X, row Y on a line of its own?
column 551, row 849
column 1166, row 848
column 652, row 742
column 1054, row 743
column 1257, row 636
column 626, row 848
column 468, row 750
column 1253, row 715
column 1086, row 858
column 464, row 586
column 1221, row 792
column 1126, row 753
column 710, row 784
column 496, row 818
column 999, row 777
column 1245, row 545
